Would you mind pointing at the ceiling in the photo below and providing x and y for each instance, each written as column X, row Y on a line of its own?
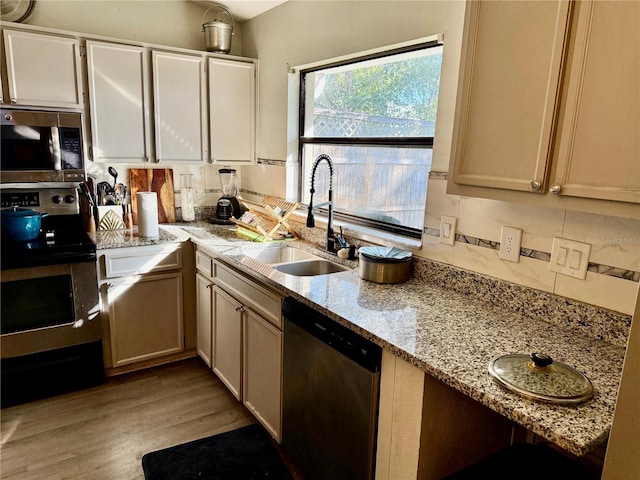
column 243, row 10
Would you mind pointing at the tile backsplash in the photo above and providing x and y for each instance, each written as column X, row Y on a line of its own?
column 614, row 265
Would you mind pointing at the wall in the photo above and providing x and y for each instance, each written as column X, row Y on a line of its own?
column 301, row 32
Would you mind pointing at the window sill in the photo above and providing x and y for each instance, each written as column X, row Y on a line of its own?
column 360, row 232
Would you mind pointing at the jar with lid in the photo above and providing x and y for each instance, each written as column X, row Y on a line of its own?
column 186, row 197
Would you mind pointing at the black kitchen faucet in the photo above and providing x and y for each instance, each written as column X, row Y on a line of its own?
column 331, row 241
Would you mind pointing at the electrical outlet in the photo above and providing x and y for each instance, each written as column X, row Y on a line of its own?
column 448, row 230
column 570, row 258
column 510, row 240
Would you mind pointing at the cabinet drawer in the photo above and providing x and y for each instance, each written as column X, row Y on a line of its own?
column 256, row 297
column 204, row 264
column 121, row 262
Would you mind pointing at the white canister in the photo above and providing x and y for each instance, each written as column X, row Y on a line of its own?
column 186, row 198
column 147, row 214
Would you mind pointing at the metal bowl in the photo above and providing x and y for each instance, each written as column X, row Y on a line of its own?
column 384, row 271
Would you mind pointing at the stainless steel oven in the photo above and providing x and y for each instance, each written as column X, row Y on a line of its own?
column 41, row 146
column 50, row 330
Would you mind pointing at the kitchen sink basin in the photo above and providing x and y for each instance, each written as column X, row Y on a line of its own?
column 282, row 255
column 310, row 268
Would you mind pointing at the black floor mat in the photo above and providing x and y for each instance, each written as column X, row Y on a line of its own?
column 242, row 454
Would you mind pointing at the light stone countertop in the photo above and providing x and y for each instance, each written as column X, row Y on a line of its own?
column 450, row 336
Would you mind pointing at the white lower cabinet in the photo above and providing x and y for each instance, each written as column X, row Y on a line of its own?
column 245, row 337
column 262, row 365
column 227, row 340
column 204, row 317
column 145, row 317
column 141, row 296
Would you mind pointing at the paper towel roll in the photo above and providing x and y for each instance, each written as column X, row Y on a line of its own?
column 147, row 214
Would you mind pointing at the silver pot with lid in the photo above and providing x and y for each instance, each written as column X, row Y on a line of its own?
column 384, row 264
column 539, row 377
column 217, row 33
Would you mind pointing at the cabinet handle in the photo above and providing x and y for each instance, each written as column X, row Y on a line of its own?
column 240, row 309
column 555, row 188
column 210, row 285
column 14, row 101
column 8, row 117
column 534, row 185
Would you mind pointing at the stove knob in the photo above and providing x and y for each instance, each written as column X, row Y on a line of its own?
column 57, row 199
column 69, row 199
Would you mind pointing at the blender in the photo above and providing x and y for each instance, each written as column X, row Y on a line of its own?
column 228, row 205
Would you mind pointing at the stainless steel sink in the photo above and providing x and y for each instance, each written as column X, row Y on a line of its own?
column 295, row 261
column 310, row 268
column 277, row 255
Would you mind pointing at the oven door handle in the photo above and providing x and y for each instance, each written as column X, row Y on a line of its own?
column 78, row 323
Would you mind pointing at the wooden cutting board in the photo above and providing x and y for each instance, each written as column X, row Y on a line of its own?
column 159, row 180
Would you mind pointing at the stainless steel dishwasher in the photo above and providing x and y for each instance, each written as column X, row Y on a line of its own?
column 330, row 403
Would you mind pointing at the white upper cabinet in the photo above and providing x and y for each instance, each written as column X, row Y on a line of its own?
column 118, row 102
column 231, row 111
column 179, row 107
column 145, row 103
column 509, row 79
column 548, row 104
column 42, row 70
column 599, row 132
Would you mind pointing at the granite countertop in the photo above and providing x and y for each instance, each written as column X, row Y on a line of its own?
column 450, row 336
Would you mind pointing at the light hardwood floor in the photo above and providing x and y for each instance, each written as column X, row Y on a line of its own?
column 102, row 433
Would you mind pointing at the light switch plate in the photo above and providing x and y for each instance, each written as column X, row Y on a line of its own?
column 570, row 258
column 510, row 241
column 448, row 230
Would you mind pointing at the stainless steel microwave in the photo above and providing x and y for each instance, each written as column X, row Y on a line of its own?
column 40, row 146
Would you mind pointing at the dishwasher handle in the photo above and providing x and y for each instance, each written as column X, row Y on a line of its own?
column 340, row 338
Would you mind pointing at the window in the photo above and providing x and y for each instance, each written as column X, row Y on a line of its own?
column 375, row 117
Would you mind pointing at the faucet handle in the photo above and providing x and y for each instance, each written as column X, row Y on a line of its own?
column 340, row 238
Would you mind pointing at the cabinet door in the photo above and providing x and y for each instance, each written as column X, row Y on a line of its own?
column 262, row 381
column 507, row 93
column 42, row 70
column 204, row 316
column 119, row 103
column 178, row 85
column 227, row 340
column 140, row 328
column 231, row 111
column 599, row 140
